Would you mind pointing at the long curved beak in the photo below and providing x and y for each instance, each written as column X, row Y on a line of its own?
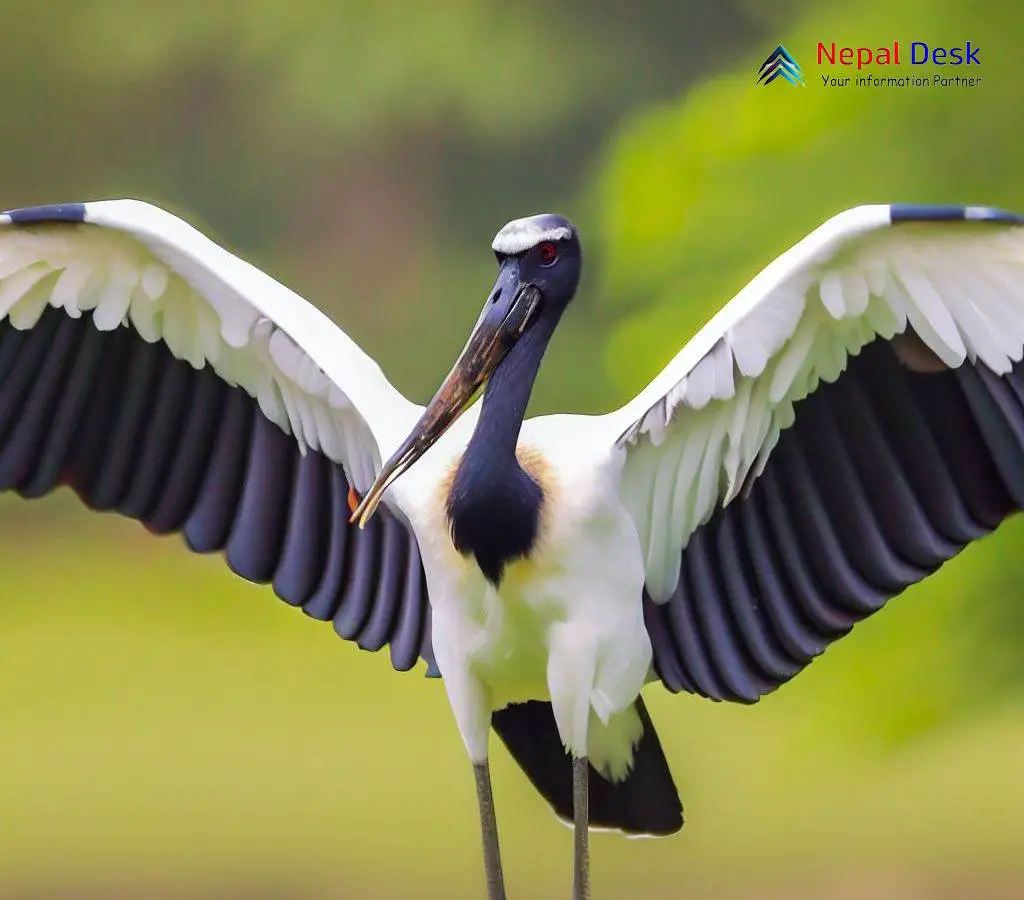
column 509, row 311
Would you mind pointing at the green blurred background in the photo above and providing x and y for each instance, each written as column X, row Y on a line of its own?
column 168, row 731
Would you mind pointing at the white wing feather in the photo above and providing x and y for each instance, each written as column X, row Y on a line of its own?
column 708, row 422
column 132, row 264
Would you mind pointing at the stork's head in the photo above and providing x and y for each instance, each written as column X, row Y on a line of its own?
column 541, row 252
column 538, row 271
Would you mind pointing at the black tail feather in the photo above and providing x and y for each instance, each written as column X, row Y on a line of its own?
column 645, row 803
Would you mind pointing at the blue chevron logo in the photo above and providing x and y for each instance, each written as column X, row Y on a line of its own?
column 780, row 64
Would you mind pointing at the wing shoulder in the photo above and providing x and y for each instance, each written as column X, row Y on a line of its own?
column 128, row 263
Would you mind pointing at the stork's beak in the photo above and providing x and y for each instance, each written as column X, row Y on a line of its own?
column 509, row 311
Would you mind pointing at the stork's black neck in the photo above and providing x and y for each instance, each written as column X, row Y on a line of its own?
column 494, row 506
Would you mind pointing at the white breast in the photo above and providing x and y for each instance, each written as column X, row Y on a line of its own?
column 566, row 623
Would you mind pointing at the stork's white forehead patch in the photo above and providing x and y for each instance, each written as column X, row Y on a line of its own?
column 522, row 234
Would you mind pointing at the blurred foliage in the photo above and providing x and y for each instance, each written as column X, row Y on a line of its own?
column 171, row 731
column 328, row 140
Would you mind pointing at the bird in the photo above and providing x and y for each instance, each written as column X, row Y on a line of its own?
column 849, row 421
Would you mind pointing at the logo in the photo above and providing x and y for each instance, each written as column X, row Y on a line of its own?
column 780, row 64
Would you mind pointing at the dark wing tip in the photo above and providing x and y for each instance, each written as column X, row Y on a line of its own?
column 50, row 212
column 913, row 212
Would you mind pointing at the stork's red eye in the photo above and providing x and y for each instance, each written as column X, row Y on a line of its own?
column 548, row 253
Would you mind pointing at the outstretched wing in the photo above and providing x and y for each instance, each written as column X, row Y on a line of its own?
column 162, row 377
column 851, row 420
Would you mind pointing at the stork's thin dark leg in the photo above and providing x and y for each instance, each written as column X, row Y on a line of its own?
column 581, row 822
column 489, row 831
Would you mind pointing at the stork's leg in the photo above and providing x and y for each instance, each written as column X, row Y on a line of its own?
column 471, row 703
column 581, row 823
column 489, row 831
column 571, row 665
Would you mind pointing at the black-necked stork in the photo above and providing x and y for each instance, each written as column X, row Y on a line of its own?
column 852, row 419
